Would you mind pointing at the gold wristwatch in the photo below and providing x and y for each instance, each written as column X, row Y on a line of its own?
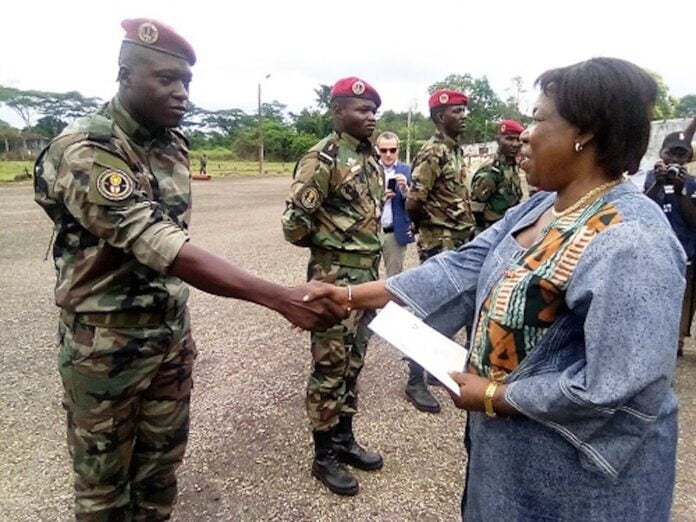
column 488, row 398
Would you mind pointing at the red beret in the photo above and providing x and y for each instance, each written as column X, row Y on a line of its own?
column 510, row 127
column 447, row 97
column 355, row 88
column 159, row 37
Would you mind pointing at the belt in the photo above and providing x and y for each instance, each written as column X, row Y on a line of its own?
column 388, row 230
column 142, row 318
column 349, row 259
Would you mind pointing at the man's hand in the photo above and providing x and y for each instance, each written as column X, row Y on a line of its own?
column 412, row 230
column 317, row 313
column 401, row 183
column 388, row 194
column 679, row 180
column 660, row 172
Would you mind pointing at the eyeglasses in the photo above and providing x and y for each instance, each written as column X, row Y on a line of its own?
column 392, row 150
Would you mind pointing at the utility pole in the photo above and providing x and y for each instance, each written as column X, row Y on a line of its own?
column 261, row 129
column 409, row 130
column 408, row 137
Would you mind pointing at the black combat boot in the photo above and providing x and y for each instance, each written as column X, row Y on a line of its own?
column 350, row 452
column 328, row 469
column 417, row 391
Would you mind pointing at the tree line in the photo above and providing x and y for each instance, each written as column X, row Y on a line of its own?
column 234, row 134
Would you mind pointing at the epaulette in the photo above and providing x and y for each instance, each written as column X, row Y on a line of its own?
column 329, row 153
column 99, row 128
column 181, row 135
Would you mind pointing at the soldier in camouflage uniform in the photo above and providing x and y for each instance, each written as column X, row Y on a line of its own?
column 497, row 186
column 117, row 186
column 438, row 204
column 334, row 209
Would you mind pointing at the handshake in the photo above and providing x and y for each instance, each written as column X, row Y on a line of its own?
column 315, row 305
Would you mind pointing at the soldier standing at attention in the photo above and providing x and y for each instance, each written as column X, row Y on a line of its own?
column 497, row 186
column 117, row 186
column 334, row 210
column 438, row 204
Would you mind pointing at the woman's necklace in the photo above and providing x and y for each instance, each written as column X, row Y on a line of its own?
column 586, row 199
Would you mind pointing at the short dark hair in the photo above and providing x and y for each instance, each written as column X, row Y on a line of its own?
column 610, row 97
column 132, row 54
column 436, row 110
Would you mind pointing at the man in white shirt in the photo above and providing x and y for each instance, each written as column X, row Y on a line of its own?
column 396, row 225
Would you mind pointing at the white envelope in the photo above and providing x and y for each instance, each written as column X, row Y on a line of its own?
column 435, row 352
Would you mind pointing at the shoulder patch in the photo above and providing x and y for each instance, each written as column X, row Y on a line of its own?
column 114, row 184
column 309, row 198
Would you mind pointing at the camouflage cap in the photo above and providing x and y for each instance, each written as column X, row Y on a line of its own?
column 159, row 37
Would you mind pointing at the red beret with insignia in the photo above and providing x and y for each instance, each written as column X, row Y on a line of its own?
column 510, row 127
column 447, row 97
column 159, row 37
column 353, row 87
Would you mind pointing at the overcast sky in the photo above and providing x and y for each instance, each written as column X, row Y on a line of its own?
column 399, row 47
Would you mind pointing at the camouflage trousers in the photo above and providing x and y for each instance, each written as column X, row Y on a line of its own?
column 339, row 353
column 127, row 394
column 432, row 241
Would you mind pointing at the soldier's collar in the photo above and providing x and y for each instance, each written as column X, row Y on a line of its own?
column 353, row 143
column 503, row 160
column 450, row 142
column 131, row 127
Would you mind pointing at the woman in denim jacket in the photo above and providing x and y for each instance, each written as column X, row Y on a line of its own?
column 568, row 388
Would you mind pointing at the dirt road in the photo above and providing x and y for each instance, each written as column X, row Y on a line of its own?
column 250, row 447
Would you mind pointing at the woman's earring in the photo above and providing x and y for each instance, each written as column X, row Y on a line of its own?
column 578, row 147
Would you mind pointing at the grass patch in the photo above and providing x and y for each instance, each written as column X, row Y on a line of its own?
column 224, row 168
column 9, row 170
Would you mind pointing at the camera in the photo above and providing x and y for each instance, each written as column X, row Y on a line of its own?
column 673, row 170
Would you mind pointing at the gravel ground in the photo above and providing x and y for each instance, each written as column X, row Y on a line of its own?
column 250, row 447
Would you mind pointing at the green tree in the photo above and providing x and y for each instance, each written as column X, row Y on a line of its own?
column 686, row 107
column 485, row 107
column 512, row 107
column 397, row 122
column 316, row 123
column 664, row 103
column 301, row 143
column 323, row 98
column 49, row 126
column 8, row 134
column 274, row 111
column 32, row 104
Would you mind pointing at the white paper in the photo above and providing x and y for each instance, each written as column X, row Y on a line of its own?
column 438, row 354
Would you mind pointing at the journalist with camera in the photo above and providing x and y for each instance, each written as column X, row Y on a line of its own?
column 674, row 190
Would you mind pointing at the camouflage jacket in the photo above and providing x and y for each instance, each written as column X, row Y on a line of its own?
column 120, row 200
column 495, row 187
column 439, row 182
column 336, row 197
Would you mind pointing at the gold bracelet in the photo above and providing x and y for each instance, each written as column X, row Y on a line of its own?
column 488, row 398
column 349, row 306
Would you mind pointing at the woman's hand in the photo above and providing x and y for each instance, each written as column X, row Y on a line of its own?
column 471, row 390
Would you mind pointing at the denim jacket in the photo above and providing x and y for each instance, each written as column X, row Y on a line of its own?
column 601, row 376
